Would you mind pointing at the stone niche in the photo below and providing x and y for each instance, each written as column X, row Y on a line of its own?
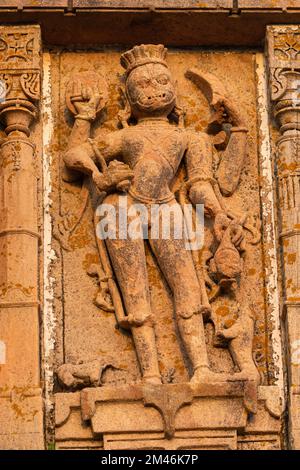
column 94, row 378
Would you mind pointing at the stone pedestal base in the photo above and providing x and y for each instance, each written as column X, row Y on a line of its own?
column 175, row 416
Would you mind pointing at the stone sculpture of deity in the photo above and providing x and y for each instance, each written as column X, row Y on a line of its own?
column 139, row 162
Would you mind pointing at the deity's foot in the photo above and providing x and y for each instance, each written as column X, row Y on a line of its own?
column 152, row 379
column 250, row 374
column 203, row 374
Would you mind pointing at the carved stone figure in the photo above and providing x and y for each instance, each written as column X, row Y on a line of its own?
column 140, row 162
column 111, row 341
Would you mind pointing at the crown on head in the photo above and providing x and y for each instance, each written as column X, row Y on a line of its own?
column 143, row 54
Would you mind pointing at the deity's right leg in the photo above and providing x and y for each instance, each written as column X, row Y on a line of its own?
column 129, row 262
column 177, row 265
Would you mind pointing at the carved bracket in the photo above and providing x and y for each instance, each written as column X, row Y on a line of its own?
column 168, row 400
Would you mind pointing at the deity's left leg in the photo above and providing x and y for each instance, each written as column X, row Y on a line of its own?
column 176, row 262
column 177, row 265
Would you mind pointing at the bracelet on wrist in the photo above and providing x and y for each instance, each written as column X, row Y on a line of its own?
column 85, row 117
column 238, row 129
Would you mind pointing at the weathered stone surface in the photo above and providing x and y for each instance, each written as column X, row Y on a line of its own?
column 284, row 73
column 193, row 4
column 270, row 4
column 21, row 366
column 146, row 344
column 34, row 3
column 89, row 356
column 83, row 359
column 176, row 25
column 201, row 440
column 125, row 423
column 21, row 418
column 127, row 257
column 210, row 4
column 163, row 4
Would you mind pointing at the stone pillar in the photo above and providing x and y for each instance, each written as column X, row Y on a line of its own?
column 21, row 423
column 284, row 77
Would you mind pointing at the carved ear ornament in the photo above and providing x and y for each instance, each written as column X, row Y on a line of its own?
column 125, row 113
column 178, row 113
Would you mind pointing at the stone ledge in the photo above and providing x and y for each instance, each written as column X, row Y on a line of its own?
column 268, row 4
column 173, row 27
column 73, row 5
column 32, row 4
column 119, row 4
column 184, row 440
column 137, row 417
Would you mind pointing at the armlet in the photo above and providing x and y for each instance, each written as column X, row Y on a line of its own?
column 197, row 179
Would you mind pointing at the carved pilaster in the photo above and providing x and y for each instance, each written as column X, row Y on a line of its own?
column 19, row 238
column 284, row 76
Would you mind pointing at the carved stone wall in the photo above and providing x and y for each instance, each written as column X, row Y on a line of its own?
column 21, row 415
column 125, row 344
column 87, row 334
